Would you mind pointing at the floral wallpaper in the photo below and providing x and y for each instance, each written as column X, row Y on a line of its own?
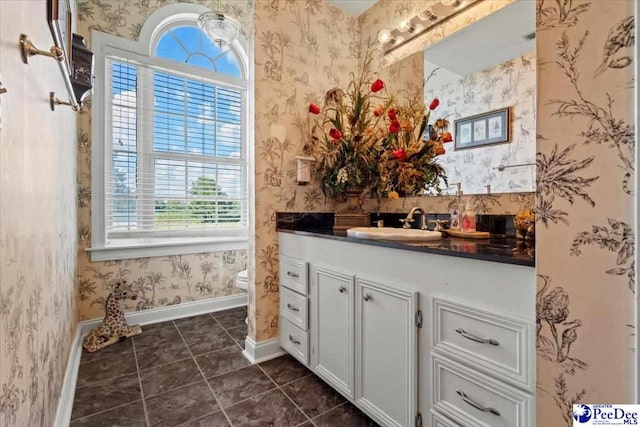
column 510, row 84
column 158, row 281
column 302, row 49
column 585, row 206
column 37, row 227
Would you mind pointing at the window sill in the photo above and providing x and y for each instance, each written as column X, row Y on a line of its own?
column 181, row 247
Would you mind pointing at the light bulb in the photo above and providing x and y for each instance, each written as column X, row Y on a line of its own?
column 427, row 15
column 384, row 36
column 405, row 26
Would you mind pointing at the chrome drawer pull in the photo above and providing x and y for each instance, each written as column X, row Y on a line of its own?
column 341, row 289
column 294, row 341
column 367, row 297
column 292, row 308
column 290, row 274
column 475, row 338
column 479, row 407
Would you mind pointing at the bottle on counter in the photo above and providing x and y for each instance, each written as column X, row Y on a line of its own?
column 468, row 221
column 454, row 213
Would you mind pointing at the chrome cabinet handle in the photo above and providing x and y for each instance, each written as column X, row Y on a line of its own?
column 293, row 340
column 367, row 297
column 476, row 405
column 290, row 274
column 292, row 308
column 341, row 289
column 477, row 339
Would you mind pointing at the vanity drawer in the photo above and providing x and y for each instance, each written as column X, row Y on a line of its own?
column 294, row 308
column 295, row 341
column 293, row 274
column 477, row 400
column 491, row 343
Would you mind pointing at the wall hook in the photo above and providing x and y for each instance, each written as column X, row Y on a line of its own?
column 27, row 49
column 53, row 101
column 2, row 89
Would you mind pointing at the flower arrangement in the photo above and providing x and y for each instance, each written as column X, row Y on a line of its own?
column 342, row 139
column 363, row 139
column 407, row 159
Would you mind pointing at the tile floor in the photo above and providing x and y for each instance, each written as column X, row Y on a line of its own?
column 191, row 372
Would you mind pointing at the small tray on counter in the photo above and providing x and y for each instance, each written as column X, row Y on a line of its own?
column 468, row 234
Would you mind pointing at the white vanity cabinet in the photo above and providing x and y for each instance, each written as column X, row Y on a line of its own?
column 333, row 357
column 386, row 352
column 409, row 337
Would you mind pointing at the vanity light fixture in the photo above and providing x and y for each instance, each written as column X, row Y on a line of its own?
column 412, row 27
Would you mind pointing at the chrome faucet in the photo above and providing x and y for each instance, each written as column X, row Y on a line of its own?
column 409, row 219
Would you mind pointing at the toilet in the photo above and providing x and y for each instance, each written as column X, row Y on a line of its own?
column 242, row 280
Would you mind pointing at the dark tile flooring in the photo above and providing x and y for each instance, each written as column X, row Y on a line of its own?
column 191, row 372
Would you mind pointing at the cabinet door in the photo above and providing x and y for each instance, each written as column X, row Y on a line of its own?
column 333, row 328
column 386, row 352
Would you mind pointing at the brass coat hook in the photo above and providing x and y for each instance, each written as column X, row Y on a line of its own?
column 53, row 101
column 27, row 49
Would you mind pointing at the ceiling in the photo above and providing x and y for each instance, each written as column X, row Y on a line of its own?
column 492, row 40
column 353, row 7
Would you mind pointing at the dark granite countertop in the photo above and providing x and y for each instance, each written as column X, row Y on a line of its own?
column 505, row 250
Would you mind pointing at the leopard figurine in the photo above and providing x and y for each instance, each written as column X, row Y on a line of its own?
column 114, row 326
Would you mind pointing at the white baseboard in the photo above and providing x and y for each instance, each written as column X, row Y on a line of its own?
column 156, row 315
column 258, row 352
column 65, row 403
column 178, row 311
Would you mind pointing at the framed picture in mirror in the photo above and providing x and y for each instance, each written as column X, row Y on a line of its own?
column 59, row 18
column 483, row 129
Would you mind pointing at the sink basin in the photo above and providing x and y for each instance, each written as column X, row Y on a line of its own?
column 395, row 234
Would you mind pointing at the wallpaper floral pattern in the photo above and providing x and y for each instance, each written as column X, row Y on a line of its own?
column 37, row 227
column 585, row 205
column 302, row 49
column 158, row 281
column 510, row 84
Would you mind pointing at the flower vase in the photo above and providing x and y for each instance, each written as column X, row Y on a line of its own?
column 351, row 214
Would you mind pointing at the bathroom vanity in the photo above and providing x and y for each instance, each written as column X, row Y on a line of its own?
column 436, row 334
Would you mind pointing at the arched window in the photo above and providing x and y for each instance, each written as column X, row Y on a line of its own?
column 173, row 114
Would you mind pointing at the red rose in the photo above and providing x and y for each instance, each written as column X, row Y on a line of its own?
column 378, row 111
column 335, row 134
column 392, row 114
column 440, row 150
column 377, row 86
column 314, row 109
column 400, row 154
column 394, row 127
column 446, row 137
column 434, row 104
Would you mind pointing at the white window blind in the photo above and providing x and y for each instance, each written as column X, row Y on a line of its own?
column 175, row 154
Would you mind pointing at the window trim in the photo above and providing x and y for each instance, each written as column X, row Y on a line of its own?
column 105, row 45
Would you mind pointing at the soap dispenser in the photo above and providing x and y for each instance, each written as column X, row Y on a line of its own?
column 468, row 221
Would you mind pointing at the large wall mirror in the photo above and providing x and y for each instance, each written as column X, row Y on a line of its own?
column 483, row 70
